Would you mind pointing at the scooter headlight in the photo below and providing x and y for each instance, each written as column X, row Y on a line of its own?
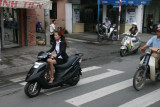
column 37, row 64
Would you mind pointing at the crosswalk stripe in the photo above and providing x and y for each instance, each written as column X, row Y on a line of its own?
column 145, row 100
column 23, row 83
column 85, row 98
column 18, row 79
column 92, row 79
column 90, row 68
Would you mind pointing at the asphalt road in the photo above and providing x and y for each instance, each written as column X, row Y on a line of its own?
column 106, row 82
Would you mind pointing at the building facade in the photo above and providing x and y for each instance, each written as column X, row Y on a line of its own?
column 18, row 22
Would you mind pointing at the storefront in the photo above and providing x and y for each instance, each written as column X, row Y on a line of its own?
column 10, row 27
column 18, row 22
column 131, row 11
column 89, row 15
column 151, row 14
column 81, row 15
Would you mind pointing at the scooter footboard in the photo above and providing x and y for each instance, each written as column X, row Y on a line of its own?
column 152, row 68
column 123, row 47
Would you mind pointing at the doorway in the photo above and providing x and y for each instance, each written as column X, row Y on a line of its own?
column 11, row 28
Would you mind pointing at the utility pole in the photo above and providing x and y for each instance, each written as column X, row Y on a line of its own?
column 119, row 18
column 47, row 26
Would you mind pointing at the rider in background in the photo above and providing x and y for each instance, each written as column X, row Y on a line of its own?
column 107, row 24
column 134, row 32
column 154, row 42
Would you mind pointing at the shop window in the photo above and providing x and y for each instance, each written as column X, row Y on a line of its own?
column 53, row 12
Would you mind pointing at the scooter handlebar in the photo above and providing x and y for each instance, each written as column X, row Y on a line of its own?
column 143, row 50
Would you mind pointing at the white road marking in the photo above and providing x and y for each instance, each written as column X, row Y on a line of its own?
column 92, row 79
column 18, row 79
column 82, row 99
column 145, row 100
column 77, row 40
column 23, row 83
column 90, row 68
column 68, row 38
column 70, row 41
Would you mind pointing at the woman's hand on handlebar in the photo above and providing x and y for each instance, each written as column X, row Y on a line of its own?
column 53, row 55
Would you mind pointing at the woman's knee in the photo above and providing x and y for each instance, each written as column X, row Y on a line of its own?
column 53, row 62
column 49, row 60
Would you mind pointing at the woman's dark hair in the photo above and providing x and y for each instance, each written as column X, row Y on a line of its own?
column 63, row 38
column 136, row 28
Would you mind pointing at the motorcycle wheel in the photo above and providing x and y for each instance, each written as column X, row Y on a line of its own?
column 30, row 91
column 74, row 80
column 136, row 51
column 139, row 80
column 114, row 37
column 123, row 52
column 99, row 38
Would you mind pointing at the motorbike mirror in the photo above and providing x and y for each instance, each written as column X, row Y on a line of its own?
column 40, row 53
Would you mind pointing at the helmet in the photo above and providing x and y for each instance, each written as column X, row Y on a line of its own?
column 158, row 29
column 134, row 23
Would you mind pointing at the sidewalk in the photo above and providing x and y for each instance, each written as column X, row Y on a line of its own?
column 20, row 59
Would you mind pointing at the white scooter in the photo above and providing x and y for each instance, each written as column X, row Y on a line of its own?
column 126, row 48
column 111, row 35
column 146, row 70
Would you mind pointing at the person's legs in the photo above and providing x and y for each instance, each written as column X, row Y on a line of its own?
column 106, row 31
column 51, row 64
column 132, row 39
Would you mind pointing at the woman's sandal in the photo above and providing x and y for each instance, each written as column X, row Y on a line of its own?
column 47, row 77
column 51, row 80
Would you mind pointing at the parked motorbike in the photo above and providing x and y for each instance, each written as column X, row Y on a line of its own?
column 111, row 35
column 67, row 73
column 152, row 27
column 146, row 70
column 126, row 48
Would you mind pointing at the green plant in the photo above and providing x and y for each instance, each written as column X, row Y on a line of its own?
column 39, row 38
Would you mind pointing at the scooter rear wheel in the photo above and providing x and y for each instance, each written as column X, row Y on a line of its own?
column 139, row 79
column 73, row 81
column 31, row 89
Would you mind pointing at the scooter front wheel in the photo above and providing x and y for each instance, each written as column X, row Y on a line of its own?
column 32, row 89
column 123, row 52
column 139, row 79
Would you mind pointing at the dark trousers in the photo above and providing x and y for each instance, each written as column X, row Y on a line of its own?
column 52, row 39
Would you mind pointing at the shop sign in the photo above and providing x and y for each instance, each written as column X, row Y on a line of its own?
column 30, row 4
column 124, row 2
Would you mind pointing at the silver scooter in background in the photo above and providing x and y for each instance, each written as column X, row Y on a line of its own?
column 126, row 48
column 111, row 35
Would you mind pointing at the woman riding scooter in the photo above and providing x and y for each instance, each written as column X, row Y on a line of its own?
column 59, row 45
column 134, row 32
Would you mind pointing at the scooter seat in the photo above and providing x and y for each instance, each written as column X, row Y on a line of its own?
column 69, row 62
